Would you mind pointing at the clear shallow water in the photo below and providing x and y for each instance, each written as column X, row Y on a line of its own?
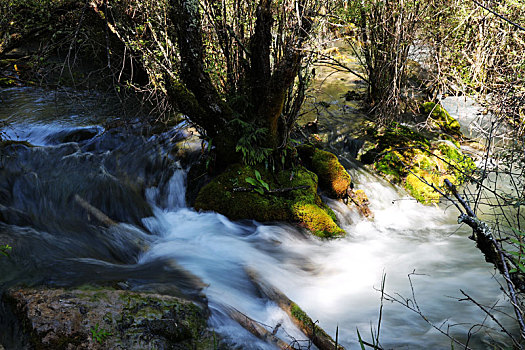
column 335, row 282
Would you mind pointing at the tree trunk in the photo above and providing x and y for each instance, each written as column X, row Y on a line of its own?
column 215, row 113
column 197, row 97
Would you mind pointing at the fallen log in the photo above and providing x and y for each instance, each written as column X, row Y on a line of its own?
column 256, row 329
column 316, row 334
column 96, row 213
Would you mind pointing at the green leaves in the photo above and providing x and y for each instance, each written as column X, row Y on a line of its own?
column 520, row 254
column 98, row 334
column 5, row 249
column 251, row 142
column 361, row 343
column 259, row 185
column 251, row 181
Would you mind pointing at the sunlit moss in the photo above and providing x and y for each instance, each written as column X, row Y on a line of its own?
column 408, row 158
column 333, row 177
column 302, row 205
column 440, row 118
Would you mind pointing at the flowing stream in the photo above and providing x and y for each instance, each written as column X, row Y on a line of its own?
column 162, row 245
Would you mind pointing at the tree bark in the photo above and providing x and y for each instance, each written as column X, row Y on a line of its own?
column 267, row 88
column 260, row 72
column 186, row 17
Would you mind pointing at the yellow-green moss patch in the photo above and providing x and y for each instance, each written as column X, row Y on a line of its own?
column 233, row 196
column 406, row 157
column 333, row 177
column 316, row 219
column 440, row 118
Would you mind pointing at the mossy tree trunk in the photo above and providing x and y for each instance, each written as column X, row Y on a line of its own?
column 264, row 82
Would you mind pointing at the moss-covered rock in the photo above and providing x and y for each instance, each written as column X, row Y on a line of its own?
column 102, row 318
column 406, row 157
column 333, row 177
column 440, row 119
column 233, row 196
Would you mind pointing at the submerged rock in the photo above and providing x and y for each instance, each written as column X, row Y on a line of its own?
column 109, row 319
column 291, row 196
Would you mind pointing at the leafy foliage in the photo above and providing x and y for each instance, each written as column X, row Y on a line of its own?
column 99, row 334
column 258, row 183
column 519, row 255
column 5, row 249
column 251, row 142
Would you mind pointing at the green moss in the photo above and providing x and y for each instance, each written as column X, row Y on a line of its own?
column 219, row 196
column 440, row 118
column 317, row 220
column 300, row 315
column 333, row 177
column 7, row 82
column 461, row 164
column 421, row 191
column 303, row 205
column 391, row 165
column 172, row 319
column 307, row 323
column 399, row 135
column 405, row 157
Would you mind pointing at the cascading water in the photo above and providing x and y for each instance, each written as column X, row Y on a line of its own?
column 335, row 282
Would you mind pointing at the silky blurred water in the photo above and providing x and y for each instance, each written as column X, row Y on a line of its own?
column 336, row 282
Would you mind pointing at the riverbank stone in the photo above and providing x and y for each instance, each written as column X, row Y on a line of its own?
column 333, row 177
column 406, row 157
column 294, row 199
column 101, row 318
column 439, row 118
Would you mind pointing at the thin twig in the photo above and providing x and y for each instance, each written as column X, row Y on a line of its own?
column 498, row 15
column 518, row 345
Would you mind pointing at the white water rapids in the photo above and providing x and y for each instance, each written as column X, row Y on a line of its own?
column 335, row 282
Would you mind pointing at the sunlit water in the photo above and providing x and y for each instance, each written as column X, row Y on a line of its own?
column 336, row 282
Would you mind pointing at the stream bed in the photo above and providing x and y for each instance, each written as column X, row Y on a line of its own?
column 160, row 244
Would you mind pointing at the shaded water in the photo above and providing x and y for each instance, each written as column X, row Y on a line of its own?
column 162, row 245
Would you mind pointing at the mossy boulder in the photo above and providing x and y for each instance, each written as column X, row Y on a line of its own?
column 416, row 163
column 103, row 318
column 292, row 197
column 440, row 119
column 333, row 177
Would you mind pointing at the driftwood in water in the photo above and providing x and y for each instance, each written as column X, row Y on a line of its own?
column 256, row 329
column 315, row 333
column 97, row 214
